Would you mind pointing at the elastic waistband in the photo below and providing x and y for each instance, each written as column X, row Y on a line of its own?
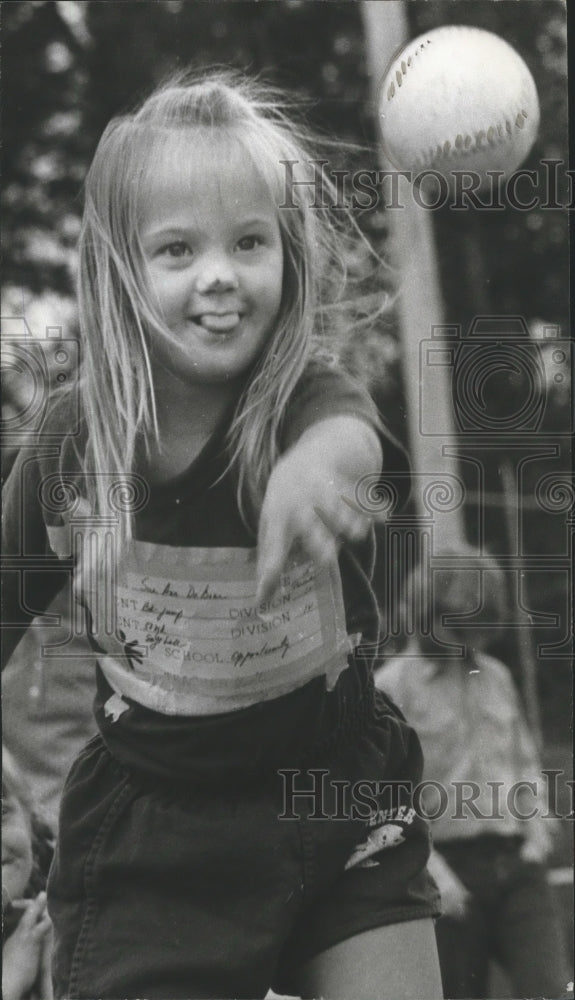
column 302, row 729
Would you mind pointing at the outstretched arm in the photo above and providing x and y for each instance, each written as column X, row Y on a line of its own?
column 310, row 498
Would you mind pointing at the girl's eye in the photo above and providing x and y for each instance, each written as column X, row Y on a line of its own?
column 249, row 242
column 177, row 249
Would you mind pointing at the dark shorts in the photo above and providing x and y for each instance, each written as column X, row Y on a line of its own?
column 160, row 891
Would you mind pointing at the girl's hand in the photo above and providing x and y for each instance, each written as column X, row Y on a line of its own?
column 309, row 498
column 23, row 954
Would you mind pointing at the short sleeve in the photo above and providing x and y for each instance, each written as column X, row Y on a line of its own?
column 31, row 574
column 326, row 390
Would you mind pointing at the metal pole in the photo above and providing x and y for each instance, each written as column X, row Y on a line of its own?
column 420, row 306
column 527, row 661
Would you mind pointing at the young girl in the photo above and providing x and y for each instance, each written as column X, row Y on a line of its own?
column 213, row 841
column 26, row 928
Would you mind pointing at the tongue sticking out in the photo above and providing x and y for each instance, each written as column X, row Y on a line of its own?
column 219, row 322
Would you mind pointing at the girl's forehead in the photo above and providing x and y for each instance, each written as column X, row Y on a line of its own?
column 206, row 175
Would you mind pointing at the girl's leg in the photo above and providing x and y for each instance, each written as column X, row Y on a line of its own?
column 397, row 962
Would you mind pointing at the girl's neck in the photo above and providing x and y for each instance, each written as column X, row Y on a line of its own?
column 188, row 415
column 185, row 409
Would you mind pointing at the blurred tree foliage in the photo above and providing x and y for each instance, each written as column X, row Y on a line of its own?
column 45, row 146
column 69, row 65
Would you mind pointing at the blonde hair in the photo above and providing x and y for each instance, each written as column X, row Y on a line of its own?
column 239, row 118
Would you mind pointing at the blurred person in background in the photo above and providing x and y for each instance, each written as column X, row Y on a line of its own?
column 27, row 849
column 485, row 797
column 50, row 696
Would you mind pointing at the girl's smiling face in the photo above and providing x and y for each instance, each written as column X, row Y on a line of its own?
column 214, row 259
column 17, row 858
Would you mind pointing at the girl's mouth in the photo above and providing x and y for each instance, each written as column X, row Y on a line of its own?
column 218, row 322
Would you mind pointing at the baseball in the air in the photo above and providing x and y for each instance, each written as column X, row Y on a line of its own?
column 455, row 99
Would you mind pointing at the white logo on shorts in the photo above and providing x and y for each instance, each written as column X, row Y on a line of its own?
column 388, row 835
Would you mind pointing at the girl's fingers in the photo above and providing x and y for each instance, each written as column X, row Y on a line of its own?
column 344, row 523
column 361, row 519
column 39, row 904
column 268, row 581
column 29, row 918
column 273, row 551
column 329, row 522
column 321, row 544
column 33, row 909
column 42, row 928
column 320, row 538
column 316, row 539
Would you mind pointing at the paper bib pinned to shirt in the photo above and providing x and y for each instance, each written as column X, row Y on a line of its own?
column 190, row 639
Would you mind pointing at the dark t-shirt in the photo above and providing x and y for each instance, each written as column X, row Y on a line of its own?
column 193, row 679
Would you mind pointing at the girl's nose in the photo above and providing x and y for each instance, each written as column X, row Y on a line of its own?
column 216, row 276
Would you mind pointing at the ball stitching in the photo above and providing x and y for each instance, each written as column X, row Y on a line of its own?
column 495, row 135
column 463, row 145
column 402, row 71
